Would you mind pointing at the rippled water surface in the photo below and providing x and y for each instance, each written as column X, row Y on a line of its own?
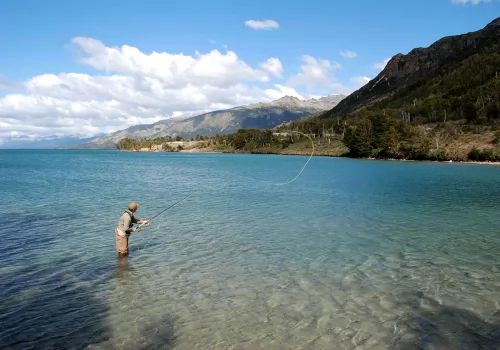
column 351, row 255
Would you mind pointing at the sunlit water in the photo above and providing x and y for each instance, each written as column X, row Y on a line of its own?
column 351, row 255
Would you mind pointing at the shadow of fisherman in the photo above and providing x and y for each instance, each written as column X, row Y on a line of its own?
column 126, row 227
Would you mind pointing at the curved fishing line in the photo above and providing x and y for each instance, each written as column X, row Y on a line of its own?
column 155, row 234
column 301, row 171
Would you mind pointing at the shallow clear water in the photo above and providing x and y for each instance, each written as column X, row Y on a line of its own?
column 352, row 255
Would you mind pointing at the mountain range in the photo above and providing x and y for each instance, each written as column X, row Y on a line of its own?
column 262, row 115
column 454, row 78
column 45, row 142
column 452, row 71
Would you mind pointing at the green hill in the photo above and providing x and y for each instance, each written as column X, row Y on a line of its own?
column 438, row 103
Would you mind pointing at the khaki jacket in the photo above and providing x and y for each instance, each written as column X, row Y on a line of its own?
column 125, row 222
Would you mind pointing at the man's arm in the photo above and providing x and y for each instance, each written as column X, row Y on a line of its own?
column 139, row 221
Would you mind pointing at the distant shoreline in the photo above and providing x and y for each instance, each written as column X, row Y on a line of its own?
column 200, row 150
column 289, row 153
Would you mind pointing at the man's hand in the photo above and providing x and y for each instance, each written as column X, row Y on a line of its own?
column 145, row 222
column 133, row 229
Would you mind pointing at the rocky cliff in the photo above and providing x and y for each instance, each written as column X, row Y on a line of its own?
column 408, row 72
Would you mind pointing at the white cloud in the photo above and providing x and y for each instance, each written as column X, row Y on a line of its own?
column 314, row 74
column 348, row 54
column 281, row 90
column 134, row 87
column 381, row 65
column 172, row 70
column 360, row 80
column 464, row 2
column 273, row 66
column 266, row 24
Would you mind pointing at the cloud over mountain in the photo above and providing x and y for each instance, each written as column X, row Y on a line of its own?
column 134, row 87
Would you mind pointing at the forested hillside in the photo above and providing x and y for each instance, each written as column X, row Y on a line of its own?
column 451, row 113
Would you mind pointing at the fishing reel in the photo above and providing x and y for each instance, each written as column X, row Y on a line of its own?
column 139, row 228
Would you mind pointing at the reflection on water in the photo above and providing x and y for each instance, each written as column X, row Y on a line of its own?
column 431, row 325
column 354, row 255
column 56, row 312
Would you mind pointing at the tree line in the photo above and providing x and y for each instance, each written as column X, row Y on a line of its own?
column 250, row 140
column 127, row 144
column 245, row 140
column 130, row 144
column 404, row 126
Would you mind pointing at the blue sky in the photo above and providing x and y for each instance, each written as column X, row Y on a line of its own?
column 34, row 33
column 36, row 36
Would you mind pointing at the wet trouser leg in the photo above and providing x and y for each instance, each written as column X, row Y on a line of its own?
column 121, row 243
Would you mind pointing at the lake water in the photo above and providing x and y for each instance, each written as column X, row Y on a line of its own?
column 352, row 255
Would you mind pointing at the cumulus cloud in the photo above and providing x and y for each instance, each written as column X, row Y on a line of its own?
column 314, row 73
column 381, row 65
column 266, row 24
column 348, row 54
column 360, row 80
column 464, row 2
column 273, row 66
column 281, row 90
column 172, row 70
column 134, row 87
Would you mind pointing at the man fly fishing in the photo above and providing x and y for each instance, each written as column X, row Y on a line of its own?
column 126, row 227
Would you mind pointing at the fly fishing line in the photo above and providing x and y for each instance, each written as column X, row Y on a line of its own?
column 272, row 183
column 300, row 172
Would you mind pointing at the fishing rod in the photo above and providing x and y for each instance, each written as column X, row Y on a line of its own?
column 138, row 228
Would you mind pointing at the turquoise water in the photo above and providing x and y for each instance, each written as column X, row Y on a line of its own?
column 352, row 255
